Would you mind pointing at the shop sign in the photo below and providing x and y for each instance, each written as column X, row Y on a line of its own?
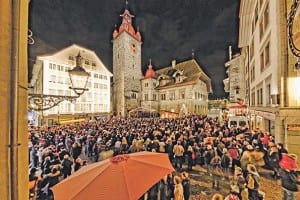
column 293, row 127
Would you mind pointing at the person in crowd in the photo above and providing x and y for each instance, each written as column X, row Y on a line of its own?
column 226, row 162
column 208, row 156
column 186, row 185
column 216, row 171
column 234, row 154
column 252, row 182
column 233, row 195
column 33, row 182
column 273, row 160
column 281, row 150
column 289, row 176
column 178, row 153
column 169, row 149
column 47, row 182
column 217, row 196
column 66, row 166
column 96, row 151
column 178, row 188
column 238, row 182
column 79, row 163
column 190, row 158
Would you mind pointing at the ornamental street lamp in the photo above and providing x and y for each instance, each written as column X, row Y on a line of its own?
column 78, row 77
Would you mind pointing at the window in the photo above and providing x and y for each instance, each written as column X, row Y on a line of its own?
column 71, row 58
column 252, row 49
column 259, row 95
column 95, row 75
column 256, row 13
column 264, row 22
column 93, row 64
column 268, row 94
column 146, row 84
column 266, row 16
column 265, row 57
column 262, row 61
column 146, row 97
column 87, row 62
column 267, row 54
column 133, row 95
column 252, row 73
column 50, row 66
column 154, row 84
column 252, row 98
column 182, row 94
column 52, row 79
column 154, row 97
column 172, row 95
column 163, row 96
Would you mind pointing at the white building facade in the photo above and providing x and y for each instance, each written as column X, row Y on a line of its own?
column 50, row 76
column 272, row 80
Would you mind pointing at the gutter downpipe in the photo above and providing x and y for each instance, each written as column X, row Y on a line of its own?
column 13, row 119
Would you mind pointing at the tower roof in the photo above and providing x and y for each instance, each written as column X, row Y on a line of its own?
column 127, row 26
column 150, row 73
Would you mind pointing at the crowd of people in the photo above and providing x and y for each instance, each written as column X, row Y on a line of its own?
column 234, row 153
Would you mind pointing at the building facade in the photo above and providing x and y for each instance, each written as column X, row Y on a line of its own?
column 177, row 90
column 50, row 76
column 127, row 67
column 272, row 80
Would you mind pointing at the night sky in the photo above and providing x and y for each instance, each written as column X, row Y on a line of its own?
column 170, row 29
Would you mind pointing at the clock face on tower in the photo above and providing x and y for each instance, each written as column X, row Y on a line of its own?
column 133, row 47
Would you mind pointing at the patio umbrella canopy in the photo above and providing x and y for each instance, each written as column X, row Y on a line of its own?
column 125, row 177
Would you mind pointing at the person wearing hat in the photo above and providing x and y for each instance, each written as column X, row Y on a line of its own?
column 289, row 177
column 238, row 181
column 252, row 181
column 186, row 185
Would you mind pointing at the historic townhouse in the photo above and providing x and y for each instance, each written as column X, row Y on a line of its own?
column 50, row 76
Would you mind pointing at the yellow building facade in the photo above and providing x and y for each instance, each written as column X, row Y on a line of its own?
column 13, row 97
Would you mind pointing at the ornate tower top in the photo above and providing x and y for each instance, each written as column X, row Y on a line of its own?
column 127, row 25
column 150, row 73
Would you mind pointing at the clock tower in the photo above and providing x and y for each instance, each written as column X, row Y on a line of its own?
column 127, row 71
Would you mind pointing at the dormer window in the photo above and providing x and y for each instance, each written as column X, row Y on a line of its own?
column 71, row 58
column 178, row 76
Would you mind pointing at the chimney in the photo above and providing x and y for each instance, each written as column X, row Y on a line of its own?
column 230, row 52
column 173, row 63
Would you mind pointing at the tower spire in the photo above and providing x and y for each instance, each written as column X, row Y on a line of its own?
column 126, row 4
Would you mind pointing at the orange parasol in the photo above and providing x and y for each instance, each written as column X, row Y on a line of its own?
column 125, row 177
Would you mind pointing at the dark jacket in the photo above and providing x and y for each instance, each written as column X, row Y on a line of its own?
column 186, row 188
column 289, row 180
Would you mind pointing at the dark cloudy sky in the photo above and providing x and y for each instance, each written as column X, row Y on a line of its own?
column 170, row 29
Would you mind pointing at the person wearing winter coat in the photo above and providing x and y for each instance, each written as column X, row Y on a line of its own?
column 252, row 181
column 216, row 171
column 178, row 188
column 289, row 177
column 273, row 159
column 66, row 166
column 186, row 185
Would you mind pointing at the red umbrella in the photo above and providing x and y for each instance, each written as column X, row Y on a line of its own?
column 125, row 177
